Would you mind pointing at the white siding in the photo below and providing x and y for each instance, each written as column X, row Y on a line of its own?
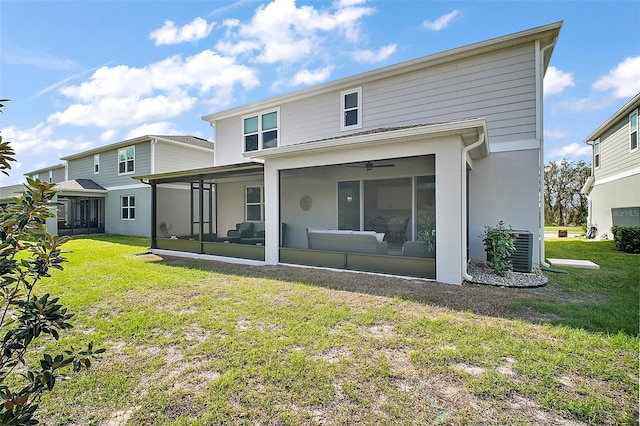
column 172, row 157
column 616, row 194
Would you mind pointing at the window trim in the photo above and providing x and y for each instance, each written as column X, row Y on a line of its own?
column 260, row 132
column 247, row 204
column 96, row 164
column 50, row 176
column 343, row 109
column 597, row 157
column 128, row 208
column 637, row 131
column 126, row 160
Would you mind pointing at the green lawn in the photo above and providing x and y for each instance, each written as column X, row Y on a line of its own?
column 200, row 343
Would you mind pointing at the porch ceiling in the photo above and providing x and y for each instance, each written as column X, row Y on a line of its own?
column 210, row 174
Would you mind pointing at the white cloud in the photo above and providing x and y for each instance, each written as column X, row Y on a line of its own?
column 39, row 141
column 623, row 80
column 109, row 135
column 122, row 96
column 442, row 22
column 555, row 81
column 17, row 56
column 193, row 31
column 370, row 56
column 282, row 32
column 573, row 150
column 556, row 133
column 157, row 128
column 308, row 77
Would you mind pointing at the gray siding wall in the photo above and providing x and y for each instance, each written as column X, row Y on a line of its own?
column 170, row 157
column 58, row 175
column 499, row 87
column 141, row 226
column 82, row 168
column 615, row 154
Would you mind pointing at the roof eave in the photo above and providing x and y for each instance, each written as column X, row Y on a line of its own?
column 622, row 112
column 427, row 131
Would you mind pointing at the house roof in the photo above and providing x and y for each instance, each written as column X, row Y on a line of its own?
column 79, row 187
column 8, row 192
column 546, row 34
column 207, row 173
column 187, row 140
column 621, row 113
column 469, row 130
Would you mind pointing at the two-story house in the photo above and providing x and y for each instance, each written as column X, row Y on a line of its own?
column 96, row 192
column 613, row 190
column 396, row 170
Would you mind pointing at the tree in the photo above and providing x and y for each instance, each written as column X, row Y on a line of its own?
column 26, row 370
column 564, row 204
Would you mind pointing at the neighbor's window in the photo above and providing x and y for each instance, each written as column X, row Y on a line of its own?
column 126, row 160
column 254, row 203
column 260, row 131
column 351, row 107
column 96, row 164
column 50, row 176
column 633, row 130
column 128, row 207
column 596, row 154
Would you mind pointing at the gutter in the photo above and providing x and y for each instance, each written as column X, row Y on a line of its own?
column 540, row 134
column 463, row 206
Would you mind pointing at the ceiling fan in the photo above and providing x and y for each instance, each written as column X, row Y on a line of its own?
column 370, row 166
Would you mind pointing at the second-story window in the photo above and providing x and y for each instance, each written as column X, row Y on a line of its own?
column 633, row 130
column 50, row 176
column 351, row 108
column 596, row 154
column 96, row 164
column 260, row 131
column 126, row 160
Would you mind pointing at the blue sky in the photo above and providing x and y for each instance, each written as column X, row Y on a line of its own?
column 81, row 74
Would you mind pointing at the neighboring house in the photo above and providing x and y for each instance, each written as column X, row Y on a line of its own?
column 395, row 170
column 613, row 190
column 96, row 192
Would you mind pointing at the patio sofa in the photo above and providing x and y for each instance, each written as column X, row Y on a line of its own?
column 347, row 241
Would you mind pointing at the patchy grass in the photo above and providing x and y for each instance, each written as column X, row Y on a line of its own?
column 199, row 343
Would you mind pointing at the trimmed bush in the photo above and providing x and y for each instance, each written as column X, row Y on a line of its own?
column 627, row 238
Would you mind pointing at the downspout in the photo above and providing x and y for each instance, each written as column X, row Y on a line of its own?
column 463, row 205
column 540, row 136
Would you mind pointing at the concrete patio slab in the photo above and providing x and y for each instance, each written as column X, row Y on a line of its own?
column 574, row 263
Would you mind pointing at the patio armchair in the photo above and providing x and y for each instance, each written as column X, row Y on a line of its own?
column 243, row 230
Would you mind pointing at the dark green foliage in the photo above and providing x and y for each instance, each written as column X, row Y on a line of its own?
column 627, row 238
column 563, row 200
column 498, row 242
column 25, row 317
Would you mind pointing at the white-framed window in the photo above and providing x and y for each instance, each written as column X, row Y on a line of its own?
column 351, row 109
column 633, row 131
column 35, row 176
column 50, row 176
column 128, row 207
column 127, row 160
column 254, row 203
column 260, row 131
column 96, row 164
column 596, row 155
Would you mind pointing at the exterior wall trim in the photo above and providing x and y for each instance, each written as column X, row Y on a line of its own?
column 618, row 176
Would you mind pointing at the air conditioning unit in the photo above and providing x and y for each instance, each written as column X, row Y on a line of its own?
column 522, row 256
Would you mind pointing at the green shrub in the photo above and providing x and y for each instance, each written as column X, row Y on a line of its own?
column 627, row 238
column 498, row 242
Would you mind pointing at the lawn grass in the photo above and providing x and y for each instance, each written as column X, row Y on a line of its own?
column 200, row 343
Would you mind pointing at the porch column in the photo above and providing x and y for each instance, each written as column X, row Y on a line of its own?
column 449, row 214
column 154, row 214
column 201, row 213
column 271, row 214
